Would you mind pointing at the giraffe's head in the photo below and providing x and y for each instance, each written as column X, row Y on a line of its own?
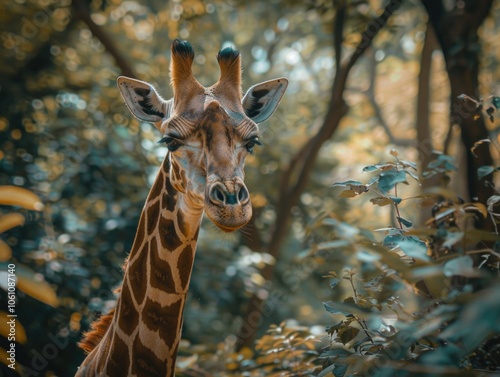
column 209, row 131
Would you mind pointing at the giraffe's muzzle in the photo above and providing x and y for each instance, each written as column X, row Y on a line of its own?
column 228, row 204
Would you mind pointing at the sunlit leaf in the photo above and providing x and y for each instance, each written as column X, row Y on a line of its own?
column 409, row 163
column 18, row 196
column 347, row 194
column 477, row 144
column 414, row 247
column 186, row 362
column 462, row 266
column 411, row 245
column 443, row 213
column 10, row 220
column 381, row 201
column 5, row 251
column 452, row 238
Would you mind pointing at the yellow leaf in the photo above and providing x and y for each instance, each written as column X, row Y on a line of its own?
column 232, row 365
column 347, row 194
column 10, row 220
column 38, row 289
column 18, row 196
column 381, row 201
column 247, row 353
column 5, row 330
column 5, row 251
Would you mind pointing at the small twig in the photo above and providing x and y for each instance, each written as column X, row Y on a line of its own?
column 362, row 321
column 398, row 217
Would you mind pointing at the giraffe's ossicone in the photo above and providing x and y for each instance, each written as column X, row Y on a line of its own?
column 208, row 132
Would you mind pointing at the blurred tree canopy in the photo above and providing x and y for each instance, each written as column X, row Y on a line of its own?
column 366, row 77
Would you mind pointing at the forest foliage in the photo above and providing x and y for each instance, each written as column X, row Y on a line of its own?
column 374, row 245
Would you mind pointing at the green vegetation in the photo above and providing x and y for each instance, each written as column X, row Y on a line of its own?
column 374, row 247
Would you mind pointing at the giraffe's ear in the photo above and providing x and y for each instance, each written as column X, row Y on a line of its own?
column 143, row 101
column 262, row 99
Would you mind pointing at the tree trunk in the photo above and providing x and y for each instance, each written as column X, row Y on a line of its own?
column 457, row 33
column 425, row 146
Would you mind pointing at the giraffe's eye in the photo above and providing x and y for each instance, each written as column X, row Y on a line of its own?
column 171, row 143
column 252, row 143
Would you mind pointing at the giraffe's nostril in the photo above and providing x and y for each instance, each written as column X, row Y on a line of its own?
column 219, row 195
column 242, row 194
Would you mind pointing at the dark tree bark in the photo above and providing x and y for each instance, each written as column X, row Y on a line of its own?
column 425, row 146
column 296, row 177
column 457, row 33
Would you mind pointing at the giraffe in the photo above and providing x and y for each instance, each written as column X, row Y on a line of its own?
column 208, row 132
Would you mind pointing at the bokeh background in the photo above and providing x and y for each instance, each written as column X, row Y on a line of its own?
column 359, row 89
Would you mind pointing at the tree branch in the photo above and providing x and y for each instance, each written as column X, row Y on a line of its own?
column 82, row 13
column 372, row 67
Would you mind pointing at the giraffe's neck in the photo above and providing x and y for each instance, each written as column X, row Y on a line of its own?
column 144, row 334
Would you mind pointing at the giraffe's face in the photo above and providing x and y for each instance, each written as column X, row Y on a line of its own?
column 207, row 161
column 209, row 132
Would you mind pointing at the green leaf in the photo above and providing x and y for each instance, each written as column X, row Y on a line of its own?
column 370, row 168
column 414, row 247
column 452, row 238
column 347, row 183
column 334, row 282
column 442, row 163
column 405, row 222
column 392, row 240
column 462, row 266
column 411, row 245
column 496, row 102
column 330, row 308
column 395, row 199
column 390, row 178
column 409, row 163
column 332, row 328
column 413, row 175
column 484, row 170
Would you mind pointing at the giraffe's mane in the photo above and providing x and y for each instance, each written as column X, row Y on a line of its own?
column 97, row 330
